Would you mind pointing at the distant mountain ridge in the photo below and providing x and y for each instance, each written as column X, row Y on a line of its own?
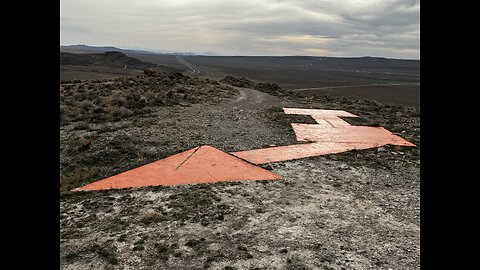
column 91, row 49
column 99, row 49
column 88, row 49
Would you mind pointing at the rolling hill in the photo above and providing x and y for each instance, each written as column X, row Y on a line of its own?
column 106, row 65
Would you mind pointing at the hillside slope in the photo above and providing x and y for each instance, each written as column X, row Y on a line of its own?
column 107, row 65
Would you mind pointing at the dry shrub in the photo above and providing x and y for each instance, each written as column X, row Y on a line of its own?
column 117, row 99
column 86, row 105
column 119, row 112
column 143, row 100
column 82, row 126
column 182, row 89
column 77, row 178
column 149, row 216
column 79, row 96
column 106, row 127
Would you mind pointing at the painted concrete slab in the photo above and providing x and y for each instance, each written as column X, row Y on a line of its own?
column 323, row 113
column 297, row 151
column 330, row 135
column 347, row 134
column 331, row 121
column 203, row 164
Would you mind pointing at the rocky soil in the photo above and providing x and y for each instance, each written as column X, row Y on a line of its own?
column 354, row 210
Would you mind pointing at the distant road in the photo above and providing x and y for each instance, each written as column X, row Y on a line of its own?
column 194, row 69
column 350, row 86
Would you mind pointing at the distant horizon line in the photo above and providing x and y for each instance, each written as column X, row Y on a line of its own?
column 213, row 54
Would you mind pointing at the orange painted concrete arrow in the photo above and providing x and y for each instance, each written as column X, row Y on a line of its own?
column 205, row 164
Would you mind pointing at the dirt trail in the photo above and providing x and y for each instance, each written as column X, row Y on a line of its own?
column 251, row 98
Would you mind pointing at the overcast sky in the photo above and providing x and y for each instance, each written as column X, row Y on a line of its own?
column 385, row 28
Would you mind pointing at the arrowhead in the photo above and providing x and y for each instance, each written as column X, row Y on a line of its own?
column 203, row 164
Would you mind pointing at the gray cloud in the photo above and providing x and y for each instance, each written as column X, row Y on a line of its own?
column 388, row 28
